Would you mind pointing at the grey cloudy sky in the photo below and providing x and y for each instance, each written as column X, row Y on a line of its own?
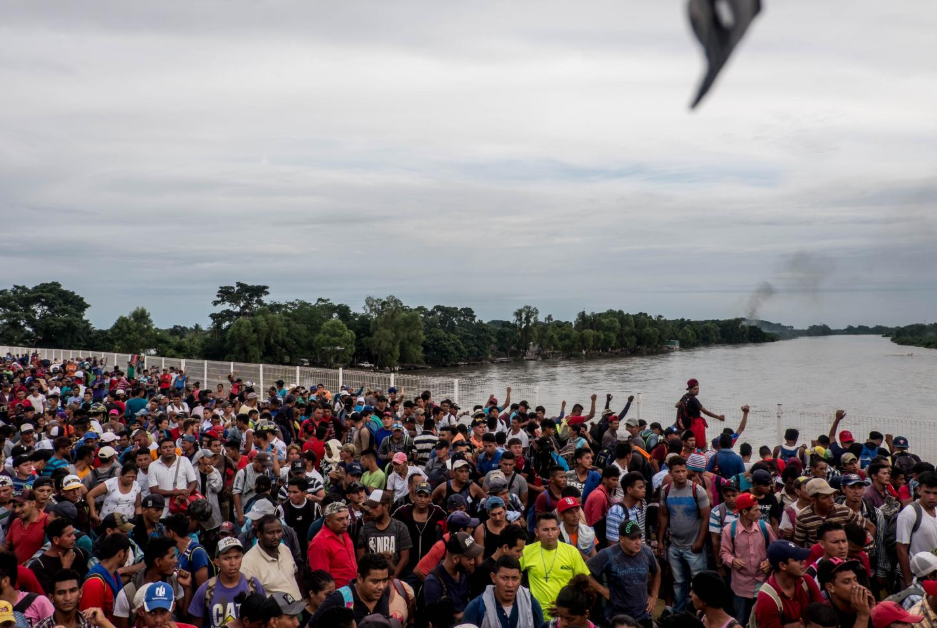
column 482, row 154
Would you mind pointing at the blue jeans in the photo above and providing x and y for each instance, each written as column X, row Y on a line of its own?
column 743, row 608
column 684, row 564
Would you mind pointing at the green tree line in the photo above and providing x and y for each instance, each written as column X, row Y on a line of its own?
column 247, row 327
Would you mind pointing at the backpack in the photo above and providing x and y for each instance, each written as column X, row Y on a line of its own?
column 605, row 457
column 650, row 439
column 761, row 524
column 905, row 462
column 901, row 596
column 866, row 456
column 568, row 453
column 768, row 590
column 891, row 532
column 99, row 478
column 210, row 591
column 532, row 513
column 212, row 569
column 695, row 490
column 19, row 611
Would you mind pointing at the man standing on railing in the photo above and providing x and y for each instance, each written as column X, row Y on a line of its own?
column 690, row 413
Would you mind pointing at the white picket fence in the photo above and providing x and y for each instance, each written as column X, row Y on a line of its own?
column 766, row 424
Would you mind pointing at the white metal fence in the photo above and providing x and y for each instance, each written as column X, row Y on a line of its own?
column 766, row 424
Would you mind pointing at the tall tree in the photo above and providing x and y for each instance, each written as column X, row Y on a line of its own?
column 135, row 333
column 335, row 343
column 241, row 299
column 396, row 331
column 46, row 315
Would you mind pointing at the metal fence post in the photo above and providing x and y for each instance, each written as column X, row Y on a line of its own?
column 392, row 379
column 297, row 375
column 231, row 368
column 261, row 377
column 638, row 399
column 115, row 360
column 340, row 374
column 162, row 363
column 205, row 372
column 455, row 390
column 781, row 428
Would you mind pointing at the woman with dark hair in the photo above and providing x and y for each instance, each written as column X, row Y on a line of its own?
column 709, row 595
column 573, row 604
column 319, row 584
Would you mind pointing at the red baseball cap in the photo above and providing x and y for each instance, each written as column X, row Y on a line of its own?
column 566, row 503
column 576, row 420
column 885, row 614
column 743, row 501
column 692, row 383
column 846, row 437
column 252, row 454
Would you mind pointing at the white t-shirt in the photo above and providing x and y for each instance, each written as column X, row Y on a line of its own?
column 115, row 501
column 398, row 484
column 161, row 476
column 38, row 401
column 122, row 605
column 925, row 539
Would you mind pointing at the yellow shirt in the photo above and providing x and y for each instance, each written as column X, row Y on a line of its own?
column 551, row 570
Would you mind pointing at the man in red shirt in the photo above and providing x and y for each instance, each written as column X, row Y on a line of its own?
column 782, row 599
column 27, row 532
column 331, row 549
column 600, row 499
column 103, row 583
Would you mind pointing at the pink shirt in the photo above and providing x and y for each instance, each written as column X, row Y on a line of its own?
column 748, row 546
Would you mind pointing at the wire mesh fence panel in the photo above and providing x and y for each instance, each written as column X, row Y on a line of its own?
column 249, row 374
column 217, row 373
column 371, row 380
column 274, row 373
column 311, row 377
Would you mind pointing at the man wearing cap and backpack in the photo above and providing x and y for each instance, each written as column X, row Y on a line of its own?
column 916, row 525
column 744, row 551
column 786, row 593
column 214, row 604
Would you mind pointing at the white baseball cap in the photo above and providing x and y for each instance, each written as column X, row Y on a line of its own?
column 70, row 482
column 108, row 437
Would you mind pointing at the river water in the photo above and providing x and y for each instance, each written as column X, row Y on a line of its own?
column 869, row 376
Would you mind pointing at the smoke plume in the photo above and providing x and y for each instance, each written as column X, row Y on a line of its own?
column 801, row 274
column 762, row 293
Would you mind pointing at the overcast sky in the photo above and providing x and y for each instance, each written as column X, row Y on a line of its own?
column 473, row 154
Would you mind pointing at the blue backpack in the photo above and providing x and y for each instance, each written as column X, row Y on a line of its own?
column 761, row 524
column 866, row 456
column 532, row 513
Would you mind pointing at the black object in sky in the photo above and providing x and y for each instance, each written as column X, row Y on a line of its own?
column 719, row 25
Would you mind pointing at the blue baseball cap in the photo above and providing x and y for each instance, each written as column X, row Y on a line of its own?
column 782, row 551
column 900, row 442
column 354, row 469
column 158, row 595
column 392, row 389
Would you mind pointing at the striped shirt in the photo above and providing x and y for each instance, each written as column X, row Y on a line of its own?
column 720, row 517
column 617, row 514
column 808, row 521
column 424, row 444
column 53, row 464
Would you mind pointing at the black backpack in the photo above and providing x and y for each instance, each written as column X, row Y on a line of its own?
column 605, row 457
column 891, row 531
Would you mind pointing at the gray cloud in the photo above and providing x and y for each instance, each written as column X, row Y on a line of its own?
column 484, row 155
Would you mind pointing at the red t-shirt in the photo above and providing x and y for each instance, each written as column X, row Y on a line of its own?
column 27, row 540
column 95, row 593
column 26, row 581
column 806, row 592
column 165, row 380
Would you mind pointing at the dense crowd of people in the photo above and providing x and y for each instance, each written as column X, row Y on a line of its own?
column 135, row 497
